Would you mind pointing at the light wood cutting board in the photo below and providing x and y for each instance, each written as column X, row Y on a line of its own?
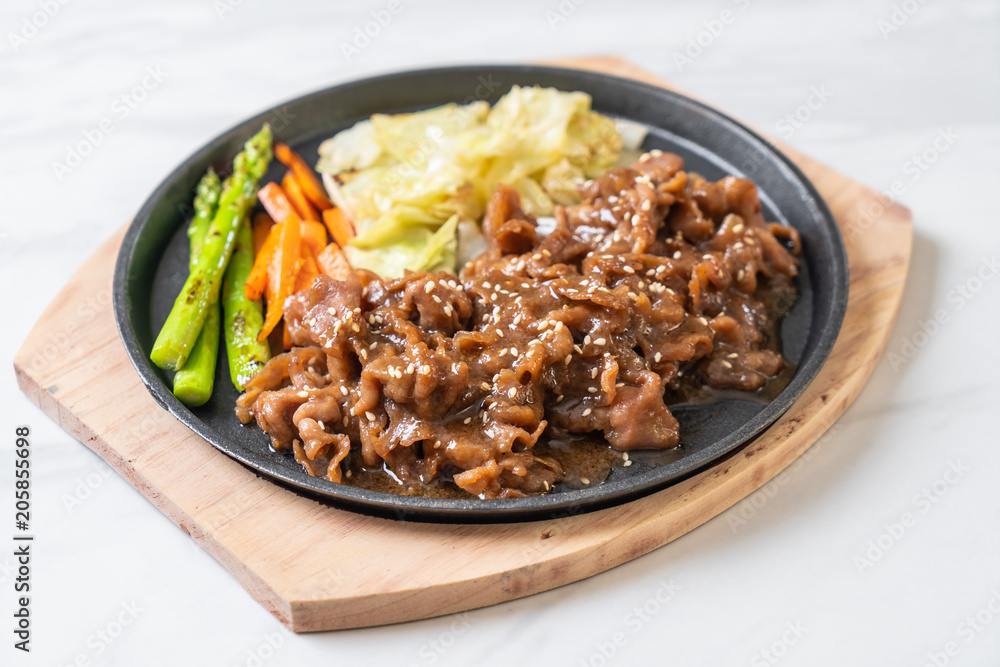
column 319, row 568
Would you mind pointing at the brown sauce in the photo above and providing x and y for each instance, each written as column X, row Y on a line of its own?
column 551, row 359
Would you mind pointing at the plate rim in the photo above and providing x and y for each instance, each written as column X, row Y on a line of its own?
column 475, row 510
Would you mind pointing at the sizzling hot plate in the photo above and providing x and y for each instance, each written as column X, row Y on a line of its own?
column 152, row 266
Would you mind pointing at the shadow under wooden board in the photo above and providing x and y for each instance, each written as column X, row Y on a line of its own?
column 320, row 568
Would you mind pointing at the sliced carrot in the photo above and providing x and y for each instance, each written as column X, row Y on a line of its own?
column 333, row 263
column 311, row 186
column 314, row 234
column 308, row 270
column 286, row 337
column 276, row 202
column 257, row 280
column 262, row 224
column 281, row 274
column 339, row 225
column 300, row 202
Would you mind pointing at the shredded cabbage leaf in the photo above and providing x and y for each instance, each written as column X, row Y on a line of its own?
column 408, row 180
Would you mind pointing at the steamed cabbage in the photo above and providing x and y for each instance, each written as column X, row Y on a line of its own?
column 408, row 181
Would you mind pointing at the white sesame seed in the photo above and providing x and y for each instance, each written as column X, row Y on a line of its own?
column 586, row 339
column 303, row 394
column 370, row 415
column 592, row 390
column 512, row 392
column 467, row 420
column 657, row 357
column 513, row 351
column 628, row 269
column 593, row 372
column 343, row 390
column 600, row 341
column 628, row 462
column 677, row 254
column 485, row 385
column 587, row 412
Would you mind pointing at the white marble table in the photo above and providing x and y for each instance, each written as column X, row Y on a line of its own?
column 882, row 546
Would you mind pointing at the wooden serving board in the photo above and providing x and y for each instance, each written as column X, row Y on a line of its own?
column 320, row 568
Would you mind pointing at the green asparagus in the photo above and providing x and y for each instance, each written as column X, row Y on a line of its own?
column 194, row 381
column 206, row 202
column 179, row 332
column 241, row 317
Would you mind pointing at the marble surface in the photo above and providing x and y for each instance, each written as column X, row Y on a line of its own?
column 881, row 546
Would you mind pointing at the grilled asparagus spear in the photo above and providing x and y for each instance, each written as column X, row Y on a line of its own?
column 242, row 318
column 193, row 383
column 187, row 317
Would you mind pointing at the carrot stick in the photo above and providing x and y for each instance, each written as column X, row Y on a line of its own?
column 300, row 202
column 340, row 227
column 262, row 224
column 281, row 274
column 276, row 202
column 304, row 174
column 314, row 234
column 333, row 263
column 308, row 271
column 257, row 280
